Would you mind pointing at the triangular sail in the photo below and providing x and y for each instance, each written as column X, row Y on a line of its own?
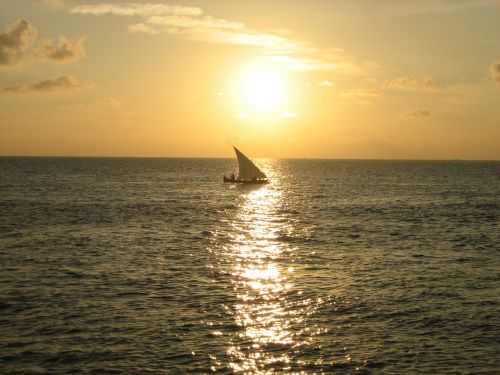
column 247, row 169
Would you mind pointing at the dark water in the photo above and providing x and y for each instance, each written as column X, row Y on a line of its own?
column 155, row 265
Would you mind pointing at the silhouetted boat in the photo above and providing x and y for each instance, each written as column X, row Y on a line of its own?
column 248, row 172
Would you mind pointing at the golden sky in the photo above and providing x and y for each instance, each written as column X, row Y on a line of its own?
column 386, row 79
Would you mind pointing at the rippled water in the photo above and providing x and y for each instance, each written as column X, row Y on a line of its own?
column 155, row 265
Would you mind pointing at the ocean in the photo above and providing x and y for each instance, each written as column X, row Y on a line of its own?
column 154, row 265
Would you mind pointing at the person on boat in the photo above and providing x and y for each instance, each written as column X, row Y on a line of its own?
column 232, row 177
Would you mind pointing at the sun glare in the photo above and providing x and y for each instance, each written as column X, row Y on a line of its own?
column 263, row 90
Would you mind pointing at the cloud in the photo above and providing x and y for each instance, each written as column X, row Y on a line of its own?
column 144, row 10
column 191, row 23
column 62, row 51
column 418, row 7
column 305, row 64
column 20, row 35
column 61, row 83
column 362, row 93
column 413, row 84
column 288, row 115
column 326, row 83
column 15, row 40
column 111, row 102
column 52, row 2
column 495, row 71
column 244, row 116
column 418, row 113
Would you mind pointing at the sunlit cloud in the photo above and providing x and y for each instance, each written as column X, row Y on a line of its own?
column 495, row 71
column 62, row 51
column 326, row 84
column 288, row 115
column 191, row 23
column 304, row 64
column 57, row 84
column 439, row 7
column 413, row 84
column 17, row 38
column 130, row 9
column 398, row 8
column 111, row 102
column 244, row 116
column 362, row 93
column 417, row 114
column 52, row 2
column 362, row 96
column 21, row 35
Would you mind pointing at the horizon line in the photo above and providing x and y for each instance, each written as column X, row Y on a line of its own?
column 228, row 157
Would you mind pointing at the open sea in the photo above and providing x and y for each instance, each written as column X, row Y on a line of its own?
column 154, row 265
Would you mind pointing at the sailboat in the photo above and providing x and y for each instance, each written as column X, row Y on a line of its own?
column 248, row 172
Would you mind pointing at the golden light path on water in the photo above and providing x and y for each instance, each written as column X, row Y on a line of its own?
column 261, row 282
column 268, row 316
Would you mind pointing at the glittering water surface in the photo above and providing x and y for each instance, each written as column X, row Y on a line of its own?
column 155, row 265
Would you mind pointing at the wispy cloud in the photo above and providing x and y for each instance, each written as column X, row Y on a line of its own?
column 131, row 9
column 419, row 113
column 52, row 2
column 326, row 83
column 305, row 64
column 288, row 115
column 17, row 38
column 362, row 96
column 244, row 116
column 61, row 83
column 362, row 93
column 62, row 51
column 111, row 102
column 413, row 84
column 391, row 8
column 495, row 71
column 191, row 23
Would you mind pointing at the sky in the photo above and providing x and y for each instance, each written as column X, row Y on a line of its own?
column 385, row 79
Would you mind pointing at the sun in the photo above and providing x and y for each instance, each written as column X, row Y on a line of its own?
column 262, row 90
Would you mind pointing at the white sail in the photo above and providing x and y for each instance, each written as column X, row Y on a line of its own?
column 247, row 169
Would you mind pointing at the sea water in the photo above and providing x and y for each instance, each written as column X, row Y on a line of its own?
column 154, row 265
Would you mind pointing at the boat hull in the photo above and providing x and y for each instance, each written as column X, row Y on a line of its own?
column 242, row 181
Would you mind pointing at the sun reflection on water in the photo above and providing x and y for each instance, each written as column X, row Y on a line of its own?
column 262, row 282
column 267, row 325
